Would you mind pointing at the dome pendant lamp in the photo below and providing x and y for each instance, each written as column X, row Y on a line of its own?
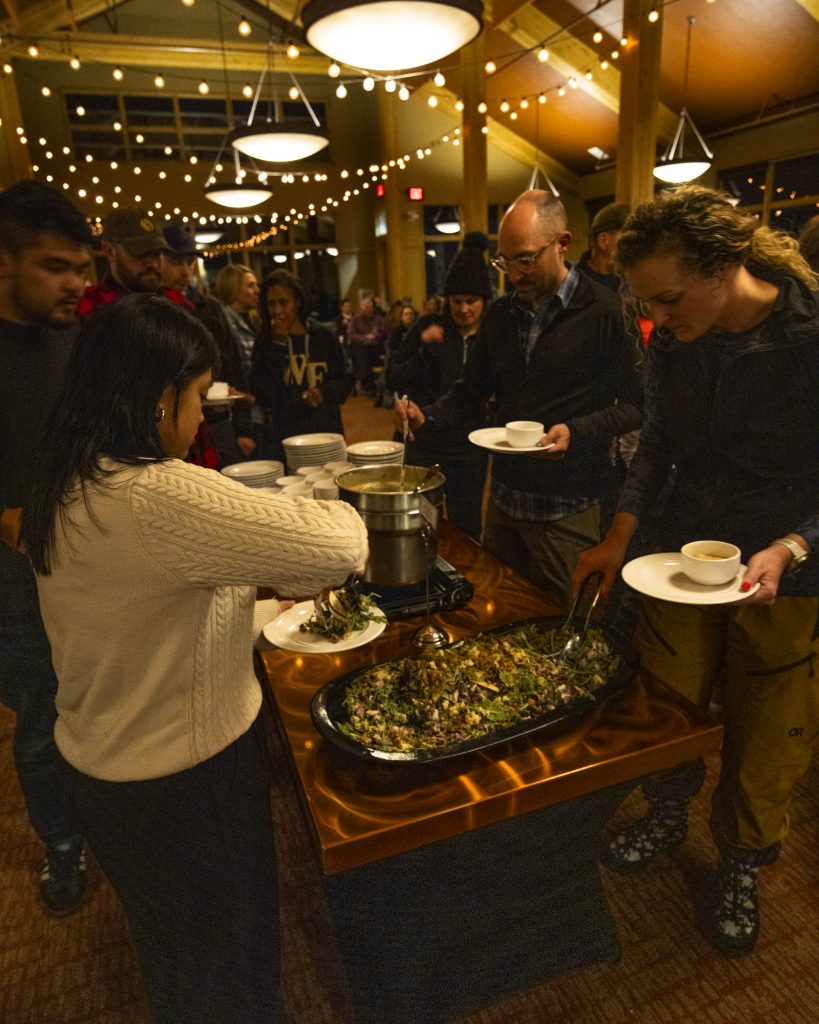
column 390, row 35
column 675, row 166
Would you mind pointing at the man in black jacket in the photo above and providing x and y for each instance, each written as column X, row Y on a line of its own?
column 45, row 256
column 553, row 351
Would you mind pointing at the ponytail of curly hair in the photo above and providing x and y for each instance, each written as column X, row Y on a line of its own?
column 707, row 233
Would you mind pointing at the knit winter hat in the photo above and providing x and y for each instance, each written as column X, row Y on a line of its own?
column 468, row 274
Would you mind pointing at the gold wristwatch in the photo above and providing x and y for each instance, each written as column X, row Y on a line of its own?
column 798, row 553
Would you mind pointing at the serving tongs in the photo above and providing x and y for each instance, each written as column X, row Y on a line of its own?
column 404, row 399
column 572, row 650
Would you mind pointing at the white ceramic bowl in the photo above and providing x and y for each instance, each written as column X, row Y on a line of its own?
column 309, row 471
column 711, row 562
column 325, row 490
column 303, row 489
column 288, row 481
column 524, row 433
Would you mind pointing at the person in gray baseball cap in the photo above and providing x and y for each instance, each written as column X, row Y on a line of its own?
column 597, row 262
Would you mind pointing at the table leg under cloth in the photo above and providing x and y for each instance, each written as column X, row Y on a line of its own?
column 448, row 927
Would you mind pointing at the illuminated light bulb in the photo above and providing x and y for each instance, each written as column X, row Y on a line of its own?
column 543, row 55
column 542, row 98
column 504, row 107
column 137, row 170
column 485, row 130
column 561, row 91
column 368, row 84
column 98, row 199
column 49, row 178
column 140, row 138
column 194, row 159
column 588, row 76
column 114, row 165
column 524, row 104
column 157, row 205
column 624, row 42
column 188, row 3
column 403, row 93
column 81, row 193
column 439, row 80
column 432, row 101
column 247, row 90
column 653, row 15
column 203, row 88
column 573, row 82
column 490, row 67
column 88, row 158
column 66, row 150
column 23, row 139
column 293, row 92
column 456, row 142
column 341, row 91
column 80, row 111
column 45, row 91
column 604, row 64
column 244, row 28
column 117, row 126
column 19, row 130
column 137, row 199
column 168, row 151
column 95, row 180
column 159, row 81
column 163, row 175
column 293, row 51
column 33, row 51
column 334, row 70
column 513, row 116
column 389, row 85
column 482, row 107
column 7, row 69
column 49, row 155
column 459, row 105
column 74, row 64
column 615, row 54
column 118, row 73
column 188, row 178
column 598, row 37
column 72, row 168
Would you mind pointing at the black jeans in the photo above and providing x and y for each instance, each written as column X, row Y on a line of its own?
column 192, row 858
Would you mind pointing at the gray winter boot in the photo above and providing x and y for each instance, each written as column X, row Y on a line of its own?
column 662, row 829
column 731, row 921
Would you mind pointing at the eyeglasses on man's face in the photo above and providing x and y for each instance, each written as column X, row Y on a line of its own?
column 523, row 264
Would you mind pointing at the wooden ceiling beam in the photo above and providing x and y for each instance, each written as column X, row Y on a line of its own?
column 570, row 57
column 504, row 138
column 811, row 6
column 52, row 15
column 166, row 54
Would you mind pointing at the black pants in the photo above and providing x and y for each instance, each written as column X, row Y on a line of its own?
column 192, row 858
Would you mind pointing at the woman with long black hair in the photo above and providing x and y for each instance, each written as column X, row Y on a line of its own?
column 147, row 569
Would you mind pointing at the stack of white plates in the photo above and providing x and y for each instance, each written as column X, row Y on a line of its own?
column 261, row 473
column 375, row 453
column 312, row 450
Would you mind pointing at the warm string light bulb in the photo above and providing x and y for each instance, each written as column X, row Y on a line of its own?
column 341, row 91
column 293, row 51
column 432, row 101
column 293, row 92
column 490, row 67
column 247, row 90
column 439, row 80
column 459, row 105
column 203, row 87
column 334, row 70
column 543, row 55
column 45, row 91
column 368, row 84
column 118, row 73
column 188, row 3
column 598, row 37
column 403, row 93
column 653, row 15
column 74, row 64
column 33, row 51
column 159, row 81
column 504, row 107
column 244, row 28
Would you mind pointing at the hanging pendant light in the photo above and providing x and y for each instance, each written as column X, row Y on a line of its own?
column 447, row 220
column 676, row 165
column 238, row 196
column 279, row 141
column 390, row 35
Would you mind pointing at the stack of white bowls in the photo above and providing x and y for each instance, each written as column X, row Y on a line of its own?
column 376, row 453
column 313, row 450
column 261, row 473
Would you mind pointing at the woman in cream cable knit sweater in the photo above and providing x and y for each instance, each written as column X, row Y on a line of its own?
column 147, row 569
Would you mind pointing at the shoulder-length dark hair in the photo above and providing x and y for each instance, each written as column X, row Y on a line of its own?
column 127, row 353
column 293, row 285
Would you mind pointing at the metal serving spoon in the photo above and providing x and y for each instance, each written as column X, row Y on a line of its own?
column 573, row 649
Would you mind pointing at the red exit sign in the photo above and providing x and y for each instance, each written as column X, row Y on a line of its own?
column 416, row 193
column 379, row 190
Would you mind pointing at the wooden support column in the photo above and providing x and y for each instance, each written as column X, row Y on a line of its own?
column 475, row 204
column 393, row 201
column 15, row 162
column 639, row 102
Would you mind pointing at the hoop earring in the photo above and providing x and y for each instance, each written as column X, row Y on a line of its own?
column 160, row 415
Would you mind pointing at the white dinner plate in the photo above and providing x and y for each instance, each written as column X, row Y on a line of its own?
column 661, row 576
column 312, row 440
column 221, row 401
column 494, row 438
column 375, row 449
column 284, row 632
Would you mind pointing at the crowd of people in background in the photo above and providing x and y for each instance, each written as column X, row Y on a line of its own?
column 643, row 360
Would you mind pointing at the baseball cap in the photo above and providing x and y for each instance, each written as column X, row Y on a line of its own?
column 135, row 230
column 179, row 239
column 610, row 218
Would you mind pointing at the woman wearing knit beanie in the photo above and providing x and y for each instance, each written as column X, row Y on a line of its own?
column 431, row 358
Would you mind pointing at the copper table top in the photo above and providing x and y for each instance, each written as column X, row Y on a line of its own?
column 362, row 813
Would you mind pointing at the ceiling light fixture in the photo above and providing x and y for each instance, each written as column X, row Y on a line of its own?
column 208, row 237
column 390, row 35
column 447, row 220
column 238, row 196
column 674, row 166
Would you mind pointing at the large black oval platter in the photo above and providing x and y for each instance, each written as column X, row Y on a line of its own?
column 328, row 712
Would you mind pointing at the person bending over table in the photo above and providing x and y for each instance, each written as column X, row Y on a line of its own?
column 732, row 401
column 146, row 569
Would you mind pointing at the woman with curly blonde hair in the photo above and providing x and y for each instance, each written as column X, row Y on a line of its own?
column 732, row 407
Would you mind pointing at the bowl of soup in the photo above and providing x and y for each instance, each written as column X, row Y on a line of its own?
column 710, row 562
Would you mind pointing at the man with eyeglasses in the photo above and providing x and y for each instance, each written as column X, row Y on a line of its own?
column 553, row 351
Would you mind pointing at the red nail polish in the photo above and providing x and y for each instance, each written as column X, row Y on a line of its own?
column 745, row 586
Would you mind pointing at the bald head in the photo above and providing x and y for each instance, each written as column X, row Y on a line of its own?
column 535, row 226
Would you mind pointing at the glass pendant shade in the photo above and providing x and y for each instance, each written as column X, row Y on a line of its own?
column 278, row 142
column 208, row 237
column 675, row 172
column 390, row 35
column 448, row 227
column 238, row 197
